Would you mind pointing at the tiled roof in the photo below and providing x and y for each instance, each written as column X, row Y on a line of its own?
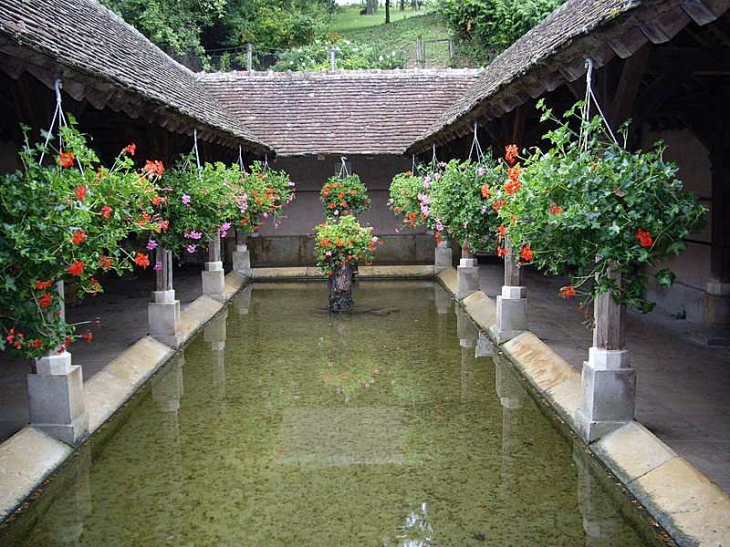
column 102, row 58
column 345, row 112
column 554, row 52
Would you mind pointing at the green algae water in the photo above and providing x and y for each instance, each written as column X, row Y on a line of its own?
column 282, row 425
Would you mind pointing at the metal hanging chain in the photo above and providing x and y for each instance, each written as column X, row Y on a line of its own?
column 413, row 165
column 434, row 159
column 266, row 162
column 58, row 116
column 591, row 97
column 475, row 146
column 344, row 172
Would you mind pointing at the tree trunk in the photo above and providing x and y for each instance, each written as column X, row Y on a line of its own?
column 341, row 289
column 387, row 11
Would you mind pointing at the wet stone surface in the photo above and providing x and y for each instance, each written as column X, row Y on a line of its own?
column 284, row 425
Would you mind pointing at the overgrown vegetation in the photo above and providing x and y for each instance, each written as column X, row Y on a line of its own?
column 484, row 28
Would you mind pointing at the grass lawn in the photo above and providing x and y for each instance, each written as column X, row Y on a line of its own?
column 400, row 35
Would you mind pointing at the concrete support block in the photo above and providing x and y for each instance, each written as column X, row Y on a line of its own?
column 163, row 315
column 443, row 255
column 609, row 393
column 242, row 260
column 213, row 279
column 468, row 278
column 56, row 399
column 511, row 313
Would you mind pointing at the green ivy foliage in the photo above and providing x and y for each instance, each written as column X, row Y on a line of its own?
column 589, row 206
column 350, row 56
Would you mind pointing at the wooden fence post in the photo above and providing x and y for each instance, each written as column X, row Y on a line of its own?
column 608, row 382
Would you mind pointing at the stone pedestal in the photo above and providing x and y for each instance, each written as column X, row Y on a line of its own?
column 716, row 322
column 56, row 399
column 242, row 260
column 163, row 315
column 468, row 278
column 213, row 279
column 511, row 313
column 609, row 392
column 443, row 255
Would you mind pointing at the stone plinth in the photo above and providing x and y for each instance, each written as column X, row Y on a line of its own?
column 609, row 391
column 163, row 315
column 242, row 260
column 467, row 278
column 213, row 279
column 56, row 399
column 511, row 313
column 443, row 255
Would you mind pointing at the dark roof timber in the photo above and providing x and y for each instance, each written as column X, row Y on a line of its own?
column 102, row 59
column 343, row 112
column 554, row 53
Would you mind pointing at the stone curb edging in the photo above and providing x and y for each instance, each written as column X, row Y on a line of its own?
column 693, row 510
column 30, row 456
column 364, row 272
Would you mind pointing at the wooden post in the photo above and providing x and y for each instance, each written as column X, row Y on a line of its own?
column 419, row 53
column 213, row 276
column 163, row 277
column 512, row 270
column 609, row 331
column 333, row 59
column 249, row 59
column 452, row 51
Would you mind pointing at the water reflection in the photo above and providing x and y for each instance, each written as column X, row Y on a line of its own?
column 302, row 429
column 242, row 301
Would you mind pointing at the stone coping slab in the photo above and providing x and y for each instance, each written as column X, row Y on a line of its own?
column 30, row 456
column 26, row 459
column 364, row 272
column 482, row 310
column 687, row 504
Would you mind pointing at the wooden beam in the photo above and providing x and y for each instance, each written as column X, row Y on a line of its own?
column 690, row 60
column 628, row 86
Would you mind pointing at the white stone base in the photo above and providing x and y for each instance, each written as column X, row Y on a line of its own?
column 163, row 317
column 56, row 401
column 242, row 260
column 608, row 393
column 213, row 279
column 511, row 314
column 467, row 278
column 443, row 256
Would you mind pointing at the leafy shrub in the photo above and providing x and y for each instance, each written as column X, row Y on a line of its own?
column 350, row 56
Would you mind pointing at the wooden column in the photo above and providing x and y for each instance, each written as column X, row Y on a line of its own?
column 609, row 331
column 163, row 277
column 214, row 248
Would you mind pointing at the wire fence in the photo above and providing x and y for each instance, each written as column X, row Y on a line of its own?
column 248, row 57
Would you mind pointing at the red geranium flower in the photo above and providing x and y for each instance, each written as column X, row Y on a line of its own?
column 510, row 153
column 501, row 252
column 66, row 159
column 45, row 300
column 142, row 260
column 502, row 230
column 644, row 238
column 486, row 192
column 43, row 285
column 526, row 253
column 130, row 149
column 88, row 336
column 498, row 204
column 80, row 192
column 36, row 344
column 154, row 167
column 556, row 209
column 79, row 236
column 106, row 211
column 567, row 292
column 76, row 268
